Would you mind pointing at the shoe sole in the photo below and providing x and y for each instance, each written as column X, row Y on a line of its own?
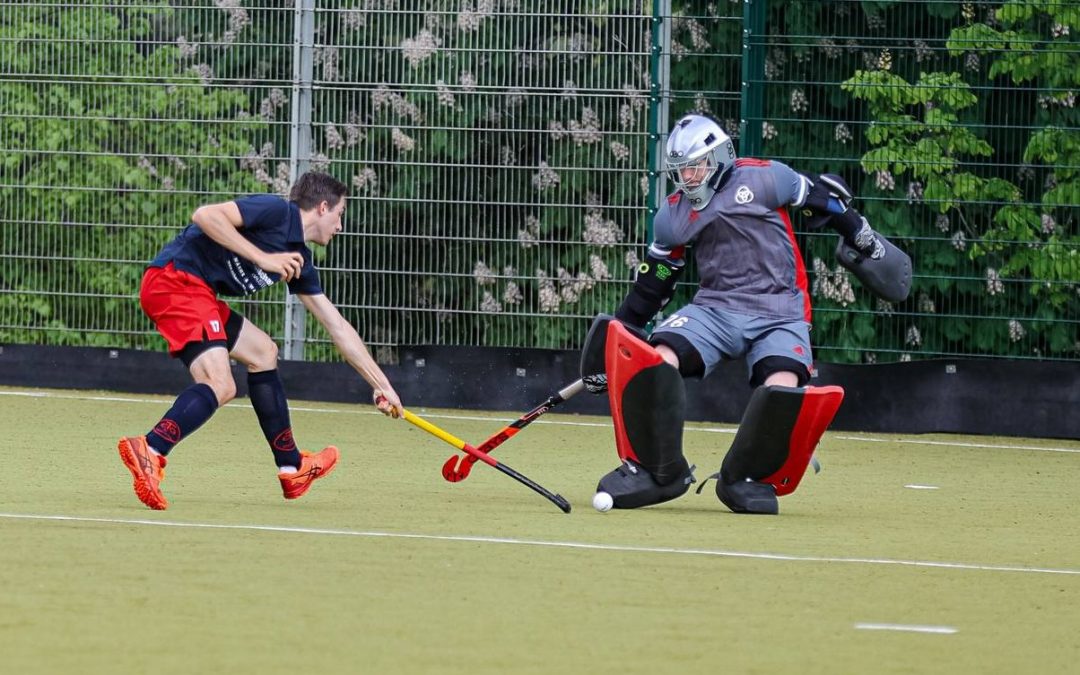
column 307, row 486
column 146, row 494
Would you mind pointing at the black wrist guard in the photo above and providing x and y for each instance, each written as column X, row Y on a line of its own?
column 653, row 287
column 847, row 224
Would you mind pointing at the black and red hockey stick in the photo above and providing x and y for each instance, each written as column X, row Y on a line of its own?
column 557, row 500
column 455, row 471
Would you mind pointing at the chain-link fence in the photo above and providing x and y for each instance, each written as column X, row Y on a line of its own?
column 502, row 157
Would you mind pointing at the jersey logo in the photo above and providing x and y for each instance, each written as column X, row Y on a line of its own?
column 168, row 430
column 284, row 442
column 743, row 195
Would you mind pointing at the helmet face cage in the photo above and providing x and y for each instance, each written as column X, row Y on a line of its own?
column 698, row 140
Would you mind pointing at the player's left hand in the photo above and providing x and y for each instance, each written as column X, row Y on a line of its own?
column 388, row 403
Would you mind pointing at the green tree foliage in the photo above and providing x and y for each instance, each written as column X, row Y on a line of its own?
column 1033, row 46
column 99, row 172
column 934, row 131
column 498, row 158
column 965, row 155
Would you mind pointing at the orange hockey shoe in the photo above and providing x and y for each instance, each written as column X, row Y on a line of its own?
column 313, row 467
column 147, row 468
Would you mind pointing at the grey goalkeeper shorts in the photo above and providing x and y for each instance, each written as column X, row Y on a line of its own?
column 720, row 334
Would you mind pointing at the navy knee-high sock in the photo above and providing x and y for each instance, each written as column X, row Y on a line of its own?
column 268, row 398
column 192, row 408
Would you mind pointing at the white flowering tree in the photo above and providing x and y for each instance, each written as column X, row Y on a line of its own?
column 499, row 159
column 502, row 196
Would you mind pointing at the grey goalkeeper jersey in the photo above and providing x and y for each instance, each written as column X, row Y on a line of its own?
column 743, row 242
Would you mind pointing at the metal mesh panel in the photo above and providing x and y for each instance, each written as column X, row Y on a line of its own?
column 502, row 156
column 497, row 162
column 118, row 119
column 916, row 105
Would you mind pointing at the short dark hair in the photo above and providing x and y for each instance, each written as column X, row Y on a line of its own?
column 314, row 187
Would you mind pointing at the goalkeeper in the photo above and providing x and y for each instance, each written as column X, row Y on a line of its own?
column 753, row 304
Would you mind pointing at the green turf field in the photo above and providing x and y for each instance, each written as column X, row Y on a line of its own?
column 936, row 554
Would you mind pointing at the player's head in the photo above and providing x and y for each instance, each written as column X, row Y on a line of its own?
column 321, row 199
column 698, row 155
column 314, row 187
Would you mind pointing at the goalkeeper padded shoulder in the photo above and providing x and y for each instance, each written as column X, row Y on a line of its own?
column 653, row 287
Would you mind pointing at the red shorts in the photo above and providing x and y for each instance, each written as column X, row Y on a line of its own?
column 183, row 308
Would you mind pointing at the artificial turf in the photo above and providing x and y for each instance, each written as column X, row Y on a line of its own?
column 905, row 555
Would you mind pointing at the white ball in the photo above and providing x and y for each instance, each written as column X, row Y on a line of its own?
column 602, row 502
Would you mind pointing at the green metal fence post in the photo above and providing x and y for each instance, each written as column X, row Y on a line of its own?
column 751, row 108
column 659, row 97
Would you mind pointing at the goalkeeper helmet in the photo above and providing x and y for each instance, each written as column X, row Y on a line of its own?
column 699, row 153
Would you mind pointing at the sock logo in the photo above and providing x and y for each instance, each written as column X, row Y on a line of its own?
column 284, row 442
column 168, row 430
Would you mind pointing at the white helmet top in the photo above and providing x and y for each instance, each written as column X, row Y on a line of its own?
column 695, row 138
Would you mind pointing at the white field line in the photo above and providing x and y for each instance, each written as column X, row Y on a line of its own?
column 558, row 422
column 782, row 557
column 940, row 630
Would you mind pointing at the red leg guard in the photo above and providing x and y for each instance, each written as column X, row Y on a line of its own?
column 648, row 404
column 818, row 409
column 778, row 435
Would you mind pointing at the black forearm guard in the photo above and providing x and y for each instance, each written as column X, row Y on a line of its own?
column 825, row 189
column 652, row 289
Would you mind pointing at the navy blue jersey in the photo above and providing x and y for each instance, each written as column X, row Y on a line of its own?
column 743, row 241
column 270, row 223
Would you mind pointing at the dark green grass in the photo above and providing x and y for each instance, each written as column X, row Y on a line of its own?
column 117, row 592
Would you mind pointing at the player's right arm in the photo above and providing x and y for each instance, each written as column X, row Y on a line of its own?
column 355, row 352
column 653, row 286
column 221, row 223
column 826, row 199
